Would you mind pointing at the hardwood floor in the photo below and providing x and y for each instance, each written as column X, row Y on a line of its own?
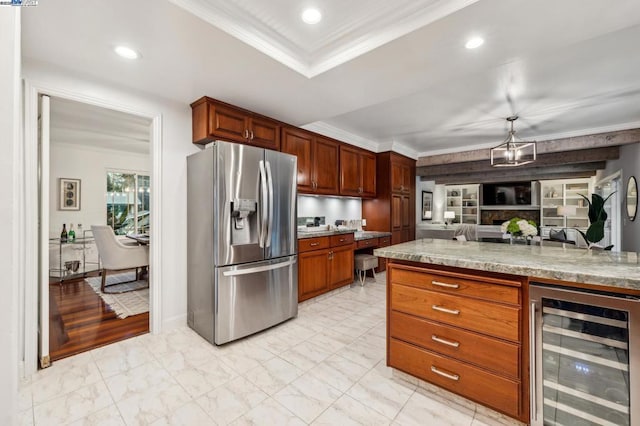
column 80, row 321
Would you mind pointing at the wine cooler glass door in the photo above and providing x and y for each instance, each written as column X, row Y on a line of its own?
column 583, row 358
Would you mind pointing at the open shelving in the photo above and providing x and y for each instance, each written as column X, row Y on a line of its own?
column 463, row 201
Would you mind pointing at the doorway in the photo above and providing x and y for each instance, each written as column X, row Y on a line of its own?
column 609, row 187
column 82, row 146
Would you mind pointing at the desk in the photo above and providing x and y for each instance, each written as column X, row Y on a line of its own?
column 142, row 239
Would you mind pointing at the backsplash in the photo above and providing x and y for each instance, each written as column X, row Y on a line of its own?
column 329, row 208
column 308, row 220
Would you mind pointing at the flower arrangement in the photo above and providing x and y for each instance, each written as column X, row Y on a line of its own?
column 520, row 227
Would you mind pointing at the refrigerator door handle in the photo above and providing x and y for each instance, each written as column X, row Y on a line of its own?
column 259, row 268
column 263, row 204
column 269, row 219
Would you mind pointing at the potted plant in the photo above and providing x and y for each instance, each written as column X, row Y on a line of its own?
column 597, row 218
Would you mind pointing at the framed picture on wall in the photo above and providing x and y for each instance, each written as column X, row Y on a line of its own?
column 427, row 205
column 69, row 190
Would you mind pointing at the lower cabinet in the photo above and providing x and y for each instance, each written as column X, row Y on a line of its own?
column 461, row 331
column 324, row 263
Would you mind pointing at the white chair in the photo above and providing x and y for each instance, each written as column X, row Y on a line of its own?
column 363, row 263
column 467, row 231
column 115, row 256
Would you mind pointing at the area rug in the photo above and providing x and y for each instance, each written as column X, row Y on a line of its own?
column 123, row 304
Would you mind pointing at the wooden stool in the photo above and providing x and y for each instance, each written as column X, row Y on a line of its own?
column 364, row 262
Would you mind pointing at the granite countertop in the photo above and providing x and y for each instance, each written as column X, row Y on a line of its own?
column 613, row 269
column 358, row 235
column 367, row 235
column 327, row 233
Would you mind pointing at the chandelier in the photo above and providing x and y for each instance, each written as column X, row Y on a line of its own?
column 513, row 152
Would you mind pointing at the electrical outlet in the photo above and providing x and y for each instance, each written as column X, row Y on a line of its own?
column 364, row 222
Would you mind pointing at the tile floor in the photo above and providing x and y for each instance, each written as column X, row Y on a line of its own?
column 325, row 367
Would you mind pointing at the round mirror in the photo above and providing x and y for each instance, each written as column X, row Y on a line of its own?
column 632, row 198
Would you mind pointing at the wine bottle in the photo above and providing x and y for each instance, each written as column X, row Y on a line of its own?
column 63, row 235
column 72, row 234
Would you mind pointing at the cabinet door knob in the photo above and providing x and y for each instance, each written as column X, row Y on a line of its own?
column 245, row 134
column 251, row 137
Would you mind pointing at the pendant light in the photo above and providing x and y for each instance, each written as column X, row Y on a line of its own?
column 513, row 152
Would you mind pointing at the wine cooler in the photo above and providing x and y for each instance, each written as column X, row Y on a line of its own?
column 585, row 362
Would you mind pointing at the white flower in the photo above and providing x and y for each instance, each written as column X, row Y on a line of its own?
column 504, row 226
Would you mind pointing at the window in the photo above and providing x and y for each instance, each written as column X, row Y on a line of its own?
column 128, row 202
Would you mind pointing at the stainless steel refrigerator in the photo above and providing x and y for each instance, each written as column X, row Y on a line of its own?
column 241, row 237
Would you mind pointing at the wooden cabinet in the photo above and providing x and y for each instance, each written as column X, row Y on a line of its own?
column 317, row 160
column 357, row 172
column 324, row 263
column 461, row 331
column 215, row 120
column 393, row 210
column 313, row 273
column 401, row 177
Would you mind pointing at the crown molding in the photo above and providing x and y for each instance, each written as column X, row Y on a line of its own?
column 364, row 33
column 337, row 133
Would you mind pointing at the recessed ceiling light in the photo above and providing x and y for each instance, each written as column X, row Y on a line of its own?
column 126, row 52
column 311, row 16
column 474, row 42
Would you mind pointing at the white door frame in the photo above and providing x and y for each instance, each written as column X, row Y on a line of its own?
column 29, row 204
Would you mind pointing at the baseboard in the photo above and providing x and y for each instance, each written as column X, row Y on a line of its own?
column 174, row 322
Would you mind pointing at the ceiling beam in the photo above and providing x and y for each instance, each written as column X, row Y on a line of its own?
column 599, row 140
column 517, row 174
column 543, row 160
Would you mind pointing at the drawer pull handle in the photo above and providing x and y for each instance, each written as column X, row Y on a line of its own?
column 444, row 341
column 445, row 310
column 443, row 374
column 314, row 244
column 441, row 284
column 342, row 240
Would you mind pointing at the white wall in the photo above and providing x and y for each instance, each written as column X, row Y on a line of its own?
column 332, row 208
column 439, row 199
column 91, row 166
column 9, row 176
column 629, row 164
column 176, row 145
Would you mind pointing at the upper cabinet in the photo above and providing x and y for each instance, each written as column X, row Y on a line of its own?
column 401, row 177
column 325, row 166
column 393, row 210
column 357, row 172
column 317, row 160
column 215, row 120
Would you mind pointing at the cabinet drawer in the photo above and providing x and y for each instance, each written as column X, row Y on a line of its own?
column 484, row 317
column 505, row 291
column 384, row 241
column 370, row 242
column 494, row 391
column 341, row 240
column 317, row 243
column 492, row 354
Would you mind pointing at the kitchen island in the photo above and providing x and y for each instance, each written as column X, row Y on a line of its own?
column 458, row 312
